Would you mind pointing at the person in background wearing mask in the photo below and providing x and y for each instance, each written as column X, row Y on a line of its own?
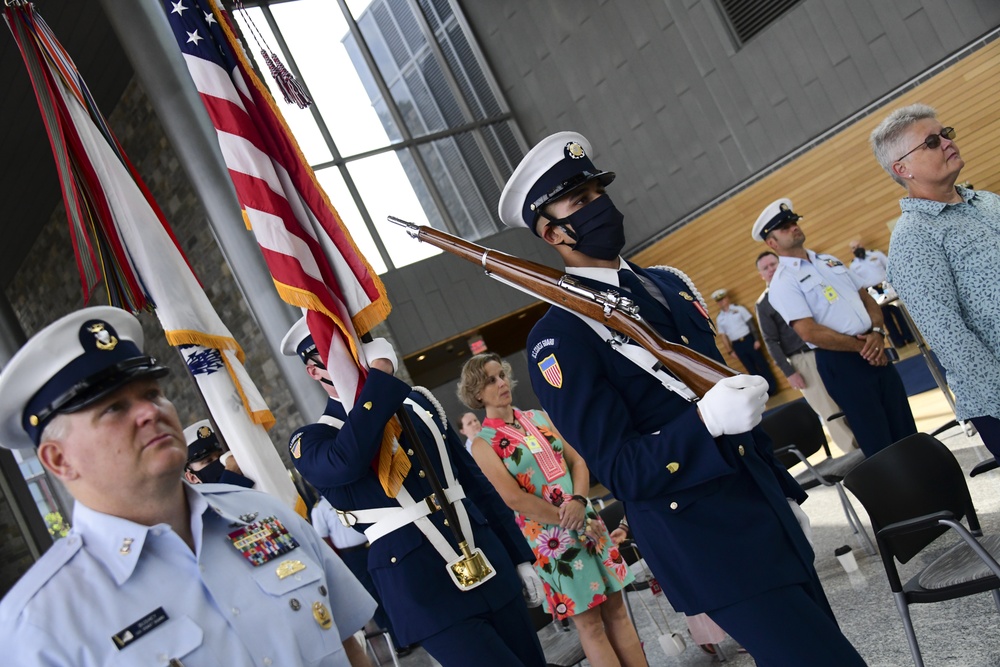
column 207, row 463
column 717, row 515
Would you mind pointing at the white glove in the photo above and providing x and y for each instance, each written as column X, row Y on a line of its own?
column 380, row 348
column 803, row 520
column 531, row 585
column 734, row 405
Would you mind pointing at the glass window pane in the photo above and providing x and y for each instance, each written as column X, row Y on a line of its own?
column 336, row 189
column 388, row 189
column 317, row 35
column 300, row 121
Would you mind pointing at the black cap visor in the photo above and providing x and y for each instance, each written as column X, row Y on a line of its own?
column 91, row 389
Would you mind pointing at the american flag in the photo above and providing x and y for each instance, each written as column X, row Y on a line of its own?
column 311, row 256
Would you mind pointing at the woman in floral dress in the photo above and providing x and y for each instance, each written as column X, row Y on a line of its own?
column 536, row 474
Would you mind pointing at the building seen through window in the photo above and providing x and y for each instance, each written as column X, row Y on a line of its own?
column 407, row 118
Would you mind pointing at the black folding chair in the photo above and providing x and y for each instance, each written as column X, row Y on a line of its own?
column 915, row 491
column 798, row 433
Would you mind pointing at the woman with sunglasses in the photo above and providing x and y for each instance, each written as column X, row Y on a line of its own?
column 944, row 259
column 541, row 478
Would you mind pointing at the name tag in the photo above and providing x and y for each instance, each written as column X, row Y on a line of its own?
column 139, row 628
column 830, row 294
column 531, row 442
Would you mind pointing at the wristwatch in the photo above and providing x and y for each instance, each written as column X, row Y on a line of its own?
column 880, row 330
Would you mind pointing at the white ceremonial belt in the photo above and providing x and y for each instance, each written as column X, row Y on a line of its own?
column 384, row 520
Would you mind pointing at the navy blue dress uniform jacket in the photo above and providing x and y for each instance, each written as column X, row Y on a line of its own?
column 710, row 515
column 409, row 574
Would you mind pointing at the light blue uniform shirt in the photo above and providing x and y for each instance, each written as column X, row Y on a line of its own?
column 944, row 261
column 110, row 573
column 821, row 288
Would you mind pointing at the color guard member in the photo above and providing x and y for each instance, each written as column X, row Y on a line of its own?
column 411, row 543
column 715, row 513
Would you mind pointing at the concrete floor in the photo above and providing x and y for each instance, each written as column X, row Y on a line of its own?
column 961, row 633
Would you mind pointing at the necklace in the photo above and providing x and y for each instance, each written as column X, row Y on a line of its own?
column 515, row 423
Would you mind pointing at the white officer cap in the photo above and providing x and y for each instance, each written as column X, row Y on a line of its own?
column 66, row 367
column 201, row 440
column 299, row 342
column 719, row 294
column 557, row 164
column 777, row 213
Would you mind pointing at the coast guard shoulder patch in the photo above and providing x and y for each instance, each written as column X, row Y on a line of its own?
column 295, row 446
column 551, row 371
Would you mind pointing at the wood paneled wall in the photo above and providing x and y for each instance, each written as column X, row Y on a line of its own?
column 838, row 187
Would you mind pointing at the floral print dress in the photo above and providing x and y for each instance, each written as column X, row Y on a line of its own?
column 577, row 571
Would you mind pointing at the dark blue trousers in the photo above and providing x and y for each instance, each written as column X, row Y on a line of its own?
column 872, row 397
column 505, row 638
column 356, row 561
column 754, row 361
column 792, row 625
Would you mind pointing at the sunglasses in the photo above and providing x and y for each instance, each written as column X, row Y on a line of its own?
column 934, row 140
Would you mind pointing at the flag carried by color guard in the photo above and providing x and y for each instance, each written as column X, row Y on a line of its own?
column 138, row 257
column 313, row 260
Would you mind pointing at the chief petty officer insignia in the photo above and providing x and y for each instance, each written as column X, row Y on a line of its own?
column 263, row 541
column 102, row 337
column 551, row 371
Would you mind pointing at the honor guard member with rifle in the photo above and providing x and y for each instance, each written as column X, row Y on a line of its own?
column 155, row 571
column 477, row 623
column 716, row 515
column 830, row 308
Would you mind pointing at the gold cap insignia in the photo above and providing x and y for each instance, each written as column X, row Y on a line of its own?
column 204, row 432
column 575, row 150
column 105, row 341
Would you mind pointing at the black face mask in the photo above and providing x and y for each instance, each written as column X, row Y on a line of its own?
column 598, row 229
column 859, row 253
column 211, row 473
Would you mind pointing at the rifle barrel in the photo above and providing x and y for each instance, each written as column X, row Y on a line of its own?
column 697, row 371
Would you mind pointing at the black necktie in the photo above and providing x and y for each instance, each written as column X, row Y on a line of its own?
column 650, row 309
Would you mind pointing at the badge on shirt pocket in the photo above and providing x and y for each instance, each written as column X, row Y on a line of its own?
column 830, row 293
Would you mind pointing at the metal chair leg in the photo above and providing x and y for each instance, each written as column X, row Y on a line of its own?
column 911, row 637
column 855, row 522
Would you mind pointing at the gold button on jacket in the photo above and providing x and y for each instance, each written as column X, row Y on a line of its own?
column 741, row 450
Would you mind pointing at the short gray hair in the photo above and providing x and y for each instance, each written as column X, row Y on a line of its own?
column 55, row 430
column 886, row 139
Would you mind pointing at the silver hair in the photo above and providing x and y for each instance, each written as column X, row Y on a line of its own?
column 55, row 429
column 887, row 139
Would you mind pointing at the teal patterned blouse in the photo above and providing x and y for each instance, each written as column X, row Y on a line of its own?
column 944, row 261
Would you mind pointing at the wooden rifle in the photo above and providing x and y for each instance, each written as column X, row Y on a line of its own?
column 607, row 307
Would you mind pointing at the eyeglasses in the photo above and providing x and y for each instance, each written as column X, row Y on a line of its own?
column 934, row 140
